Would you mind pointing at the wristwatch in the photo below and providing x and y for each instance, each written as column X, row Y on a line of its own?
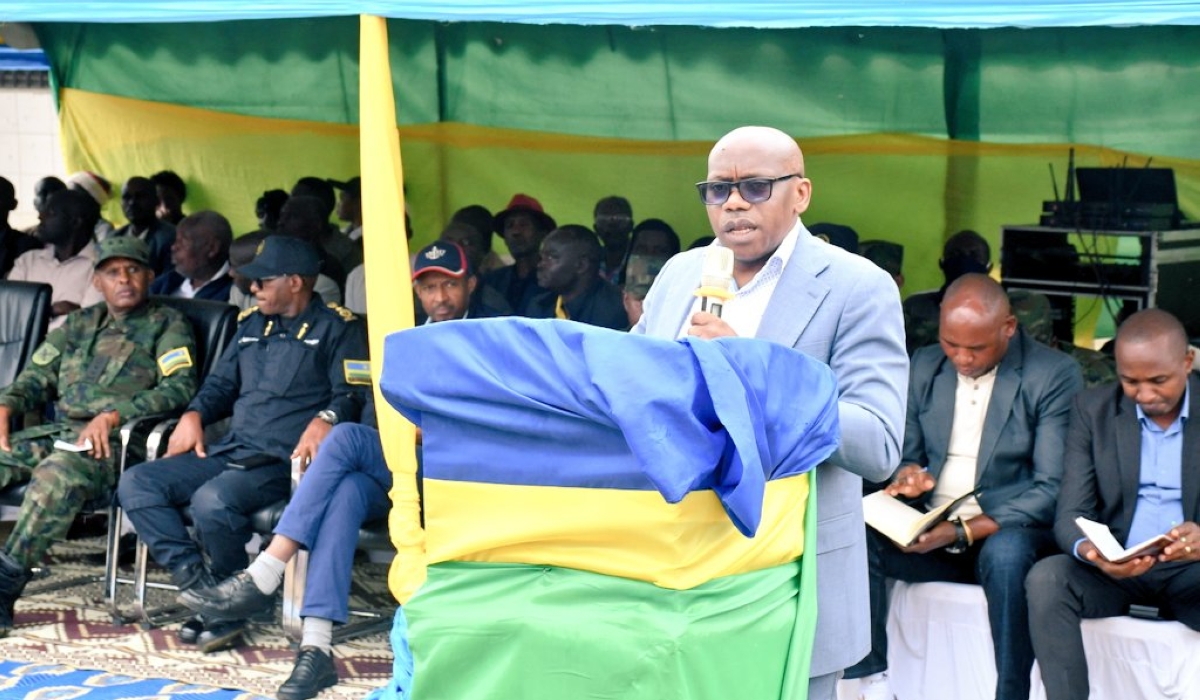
column 960, row 542
column 328, row 416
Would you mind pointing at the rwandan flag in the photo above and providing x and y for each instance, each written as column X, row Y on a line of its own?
column 609, row 515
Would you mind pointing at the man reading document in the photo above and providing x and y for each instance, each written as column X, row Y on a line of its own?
column 1133, row 464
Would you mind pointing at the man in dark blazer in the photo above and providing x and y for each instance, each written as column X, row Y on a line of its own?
column 796, row 290
column 987, row 412
column 1132, row 463
column 200, row 255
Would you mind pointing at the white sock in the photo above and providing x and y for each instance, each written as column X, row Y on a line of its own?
column 267, row 572
column 317, row 632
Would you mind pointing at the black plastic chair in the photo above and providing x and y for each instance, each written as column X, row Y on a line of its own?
column 213, row 324
column 24, row 317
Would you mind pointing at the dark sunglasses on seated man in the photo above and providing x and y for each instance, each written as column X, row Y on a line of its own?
column 753, row 190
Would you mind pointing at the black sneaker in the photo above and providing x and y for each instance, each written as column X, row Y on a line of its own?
column 313, row 673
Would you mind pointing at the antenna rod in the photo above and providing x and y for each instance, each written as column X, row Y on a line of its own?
column 1070, row 198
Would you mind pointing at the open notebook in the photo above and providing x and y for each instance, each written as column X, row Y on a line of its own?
column 902, row 523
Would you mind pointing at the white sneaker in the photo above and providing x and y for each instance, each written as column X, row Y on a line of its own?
column 875, row 687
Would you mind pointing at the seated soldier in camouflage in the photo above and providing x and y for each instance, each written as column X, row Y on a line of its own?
column 1036, row 317
column 107, row 363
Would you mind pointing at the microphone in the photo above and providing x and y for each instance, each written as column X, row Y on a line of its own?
column 715, row 278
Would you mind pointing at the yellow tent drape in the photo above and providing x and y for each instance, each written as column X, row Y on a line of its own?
column 389, row 295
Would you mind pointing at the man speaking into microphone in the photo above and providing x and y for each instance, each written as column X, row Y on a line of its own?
column 791, row 288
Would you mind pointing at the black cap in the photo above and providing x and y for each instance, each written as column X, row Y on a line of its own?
column 353, row 185
column 841, row 236
column 283, row 255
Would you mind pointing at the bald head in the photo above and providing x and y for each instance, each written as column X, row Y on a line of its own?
column 1153, row 364
column 772, row 144
column 976, row 324
column 1157, row 327
column 978, row 292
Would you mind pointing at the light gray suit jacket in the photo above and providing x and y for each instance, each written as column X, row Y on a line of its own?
column 840, row 309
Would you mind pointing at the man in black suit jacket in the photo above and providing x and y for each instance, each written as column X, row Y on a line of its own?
column 1132, row 462
column 987, row 412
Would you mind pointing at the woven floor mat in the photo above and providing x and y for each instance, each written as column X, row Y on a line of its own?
column 73, row 627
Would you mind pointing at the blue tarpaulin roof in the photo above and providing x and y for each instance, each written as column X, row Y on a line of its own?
column 746, row 13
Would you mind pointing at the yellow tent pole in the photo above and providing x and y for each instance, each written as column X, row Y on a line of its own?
column 389, row 293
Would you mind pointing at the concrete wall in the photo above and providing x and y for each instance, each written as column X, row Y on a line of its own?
column 29, row 148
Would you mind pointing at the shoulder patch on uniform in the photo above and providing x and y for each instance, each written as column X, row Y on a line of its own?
column 247, row 313
column 346, row 314
column 45, row 354
column 172, row 361
column 357, row 372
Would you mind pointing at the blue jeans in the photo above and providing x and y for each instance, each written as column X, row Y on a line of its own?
column 346, row 485
column 998, row 564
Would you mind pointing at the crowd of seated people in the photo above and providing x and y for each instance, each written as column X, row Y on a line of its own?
column 200, row 256
column 990, row 402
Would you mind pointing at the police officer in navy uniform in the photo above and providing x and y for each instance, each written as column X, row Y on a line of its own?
column 296, row 368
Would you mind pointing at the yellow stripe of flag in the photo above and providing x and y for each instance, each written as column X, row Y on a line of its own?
column 389, row 294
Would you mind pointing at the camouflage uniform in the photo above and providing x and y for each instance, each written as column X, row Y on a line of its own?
column 137, row 365
column 921, row 311
column 1033, row 312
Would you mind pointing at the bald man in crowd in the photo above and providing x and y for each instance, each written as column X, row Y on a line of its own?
column 200, row 259
column 1132, row 463
column 987, row 412
column 792, row 288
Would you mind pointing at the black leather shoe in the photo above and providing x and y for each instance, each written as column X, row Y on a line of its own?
column 6, row 619
column 219, row 635
column 190, row 631
column 13, row 578
column 313, row 673
column 193, row 575
column 235, row 598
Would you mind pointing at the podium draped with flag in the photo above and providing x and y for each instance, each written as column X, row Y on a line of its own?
column 609, row 515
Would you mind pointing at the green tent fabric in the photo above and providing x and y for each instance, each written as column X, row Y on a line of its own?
column 672, row 83
column 572, row 113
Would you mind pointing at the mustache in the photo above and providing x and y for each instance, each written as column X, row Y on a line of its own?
column 737, row 223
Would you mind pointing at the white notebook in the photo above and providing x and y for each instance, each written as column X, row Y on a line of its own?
column 902, row 523
column 72, row 447
column 1099, row 535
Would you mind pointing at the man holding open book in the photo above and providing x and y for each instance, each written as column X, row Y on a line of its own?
column 987, row 413
column 1132, row 463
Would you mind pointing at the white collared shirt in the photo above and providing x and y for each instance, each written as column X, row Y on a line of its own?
column 187, row 291
column 971, row 399
column 70, row 279
column 744, row 312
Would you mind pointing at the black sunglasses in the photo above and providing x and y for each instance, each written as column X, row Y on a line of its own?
column 753, row 190
column 262, row 281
